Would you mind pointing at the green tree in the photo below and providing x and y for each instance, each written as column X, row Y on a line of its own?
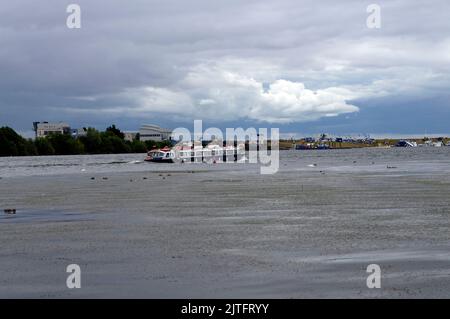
column 30, row 148
column 138, row 147
column 118, row 145
column 115, row 131
column 157, row 144
column 64, row 144
column 92, row 141
column 8, row 148
column 12, row 144
column 44, row 147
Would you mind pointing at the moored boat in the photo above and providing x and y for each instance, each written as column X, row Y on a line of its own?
column 405, row 143
column 311, row 146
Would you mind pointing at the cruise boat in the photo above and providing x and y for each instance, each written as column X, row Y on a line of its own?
column 163, row 155
column 213, row 153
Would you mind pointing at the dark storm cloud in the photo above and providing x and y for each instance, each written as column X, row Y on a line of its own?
column 277, row 61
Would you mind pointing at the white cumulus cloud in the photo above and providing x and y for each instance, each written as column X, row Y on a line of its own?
column 210, row 92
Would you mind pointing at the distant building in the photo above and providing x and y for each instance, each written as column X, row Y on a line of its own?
column 44, row 129
column 130, row 136
column 79, row 132
column 150, row 132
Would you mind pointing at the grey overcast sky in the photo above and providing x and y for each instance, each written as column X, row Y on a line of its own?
column 303, row 66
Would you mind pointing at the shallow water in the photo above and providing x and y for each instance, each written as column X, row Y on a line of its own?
column 36, row 216
column 366, row 159
column 225, row 231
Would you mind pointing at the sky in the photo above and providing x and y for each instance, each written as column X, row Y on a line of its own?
column 302, row 66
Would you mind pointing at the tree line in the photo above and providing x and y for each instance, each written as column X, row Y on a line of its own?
column 110, row 141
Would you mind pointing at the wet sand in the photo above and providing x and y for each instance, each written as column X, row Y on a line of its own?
column 229, row 232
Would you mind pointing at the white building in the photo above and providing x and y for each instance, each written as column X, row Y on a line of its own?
column 45, row 129
column 150, row 132
column 79, row 132
column 129, row 136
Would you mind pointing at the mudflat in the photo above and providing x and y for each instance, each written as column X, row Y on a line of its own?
column 226, row 231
